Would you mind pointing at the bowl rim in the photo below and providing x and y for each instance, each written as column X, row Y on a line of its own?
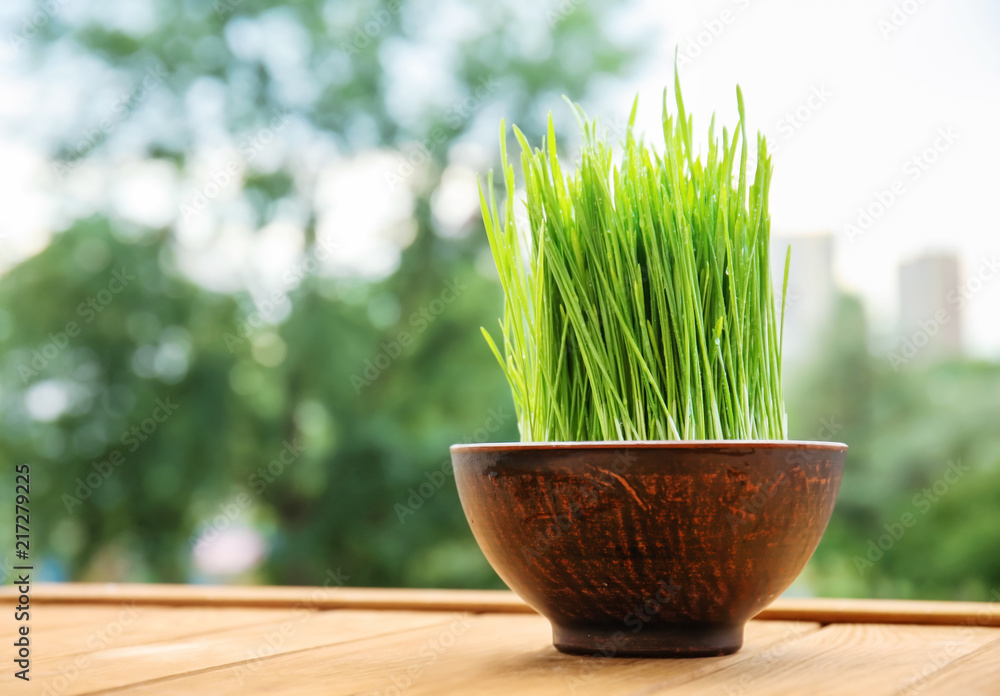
column 649, row 444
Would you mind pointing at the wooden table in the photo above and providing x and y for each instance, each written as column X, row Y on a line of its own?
column 163, row 639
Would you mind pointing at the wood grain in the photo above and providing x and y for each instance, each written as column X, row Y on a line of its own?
column 161, row 639
column 486, row 655
column 279, row 597
column 844, row 659
column 977, row 672
column 232, row 652
column 69, row 630
column 884, row 611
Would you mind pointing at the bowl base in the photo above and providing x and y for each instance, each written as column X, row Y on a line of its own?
column 651, row 641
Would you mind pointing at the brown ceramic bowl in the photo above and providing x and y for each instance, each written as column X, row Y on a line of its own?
column 649, row 548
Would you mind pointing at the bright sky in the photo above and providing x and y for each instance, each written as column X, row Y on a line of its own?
column 880, row 101
column 867, row 103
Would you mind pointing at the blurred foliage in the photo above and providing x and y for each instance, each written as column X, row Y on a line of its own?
column 101, row 334
column 917, row 514
column 245, row 389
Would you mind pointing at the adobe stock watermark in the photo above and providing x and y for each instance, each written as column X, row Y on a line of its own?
column 899, row 15
column 956, row 299
column 635, row 620
column 265, row 308
column 370, row 27
column 120, row 111
column 276, row 638
column 429, row 652
column 131, row 439
column 615, row 131
column 587, row 497
column 39, row 18
column 885, row 198
column 495, row 419
column 219, row 180
column 749, row 506
column 87, row 311
column 224, row 8
column 456, row 114
column 101, row 639
column 749, row 668
column 764, row 491
column 231, row 510
column 712, row 29
column 419, row 321
column 921, row 503
column 562, row 10
column 795, row 119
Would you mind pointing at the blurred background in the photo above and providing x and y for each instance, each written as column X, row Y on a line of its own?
column 242, row 270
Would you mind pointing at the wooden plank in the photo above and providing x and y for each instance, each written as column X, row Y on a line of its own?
column 49, row 618
column 364, row 651
column 477, row 601
column 547, row 671
column 487, row 654
column 68, row 630
column 120, row 663
column 975, row 673
column 841, row 659
column 65, row 653
column 884, row 611
column 279, row 597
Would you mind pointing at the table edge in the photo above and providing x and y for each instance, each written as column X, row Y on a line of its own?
column 822, row 610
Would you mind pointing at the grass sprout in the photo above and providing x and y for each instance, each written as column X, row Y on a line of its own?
column 638, row 301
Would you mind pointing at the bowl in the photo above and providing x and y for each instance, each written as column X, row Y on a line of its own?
column 657, row 549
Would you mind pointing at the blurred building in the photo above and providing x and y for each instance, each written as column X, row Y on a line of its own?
column 930, row 304
column 812, row 290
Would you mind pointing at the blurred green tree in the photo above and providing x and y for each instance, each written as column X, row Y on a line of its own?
column 917, row 514
column 163, row 416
